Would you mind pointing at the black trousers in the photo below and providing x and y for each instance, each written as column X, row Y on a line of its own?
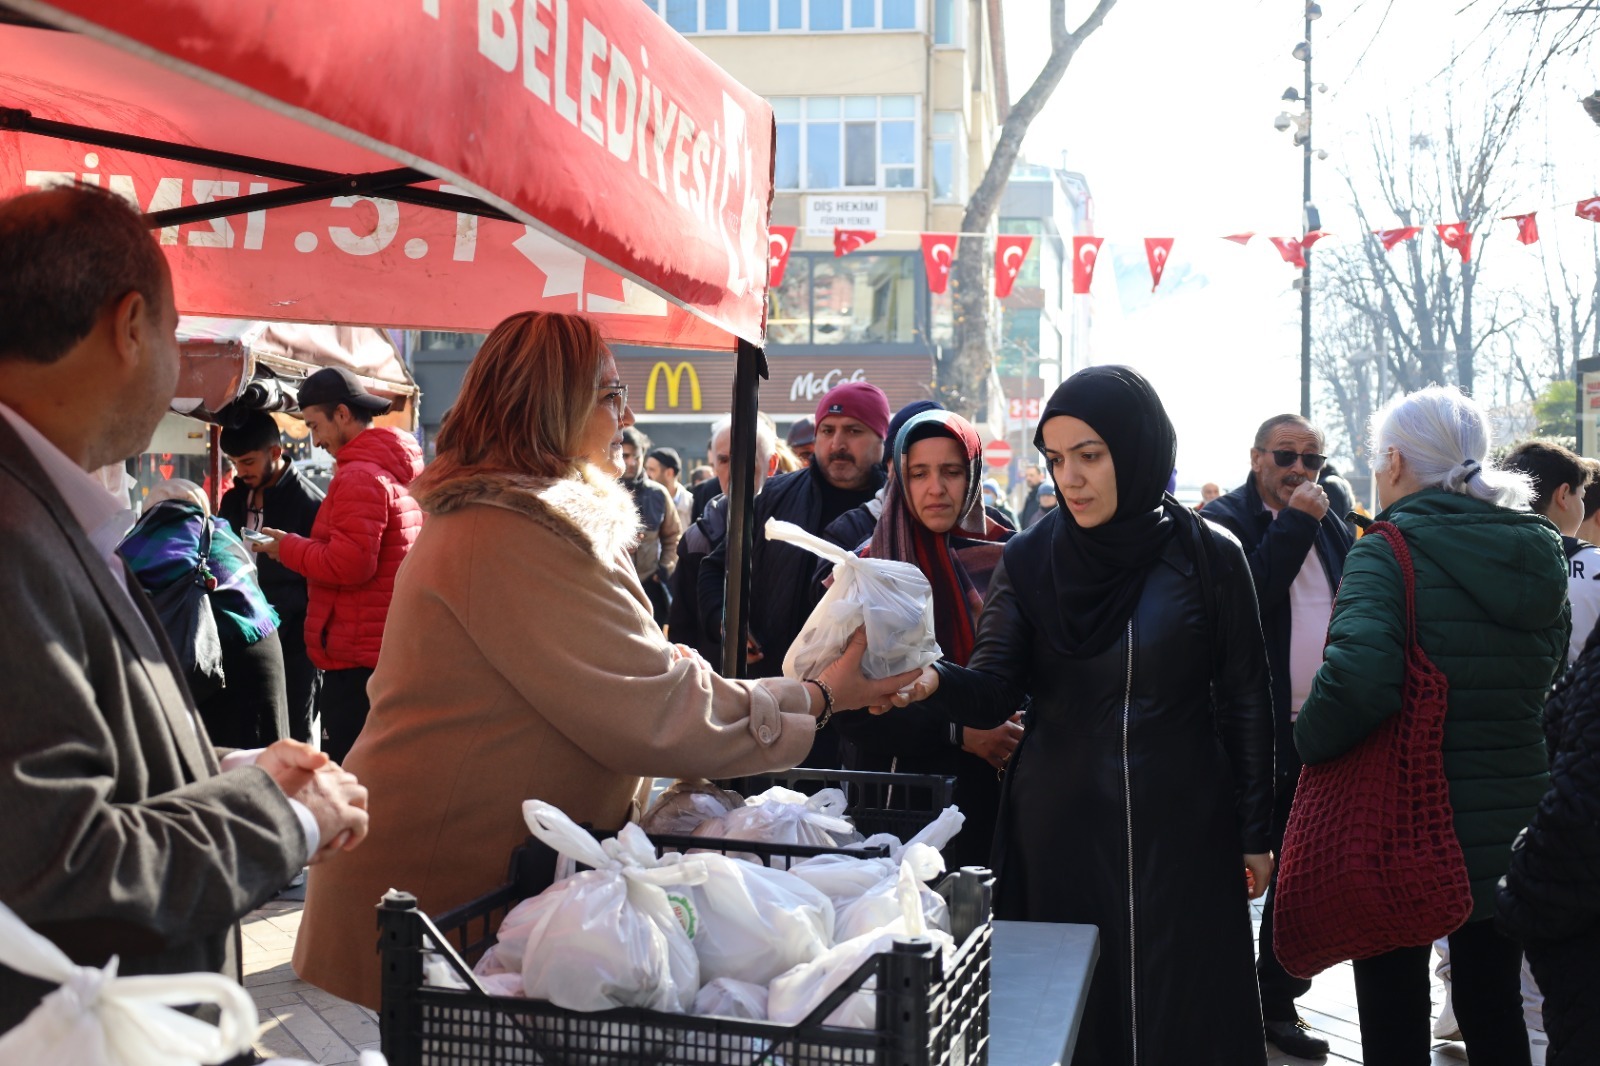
column 1568, row 973
column 1485, row 978
column 1279, row 988
column 344, row 705
column 301, row 680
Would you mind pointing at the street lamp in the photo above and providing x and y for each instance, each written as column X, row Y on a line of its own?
column 1302, row 140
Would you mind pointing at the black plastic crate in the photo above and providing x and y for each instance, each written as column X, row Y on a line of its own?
column 878, row 802
column 925, row 1017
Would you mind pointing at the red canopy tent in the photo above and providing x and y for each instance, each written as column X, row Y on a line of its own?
column 417, row 163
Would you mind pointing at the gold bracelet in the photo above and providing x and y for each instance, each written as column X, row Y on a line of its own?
column 827, row 700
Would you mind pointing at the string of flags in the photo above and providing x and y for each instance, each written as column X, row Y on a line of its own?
column 1011, row 250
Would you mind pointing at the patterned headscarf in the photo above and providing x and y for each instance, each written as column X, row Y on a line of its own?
column 163, row 548
column 957, row 563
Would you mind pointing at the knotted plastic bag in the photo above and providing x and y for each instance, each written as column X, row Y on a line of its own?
column 681, row 808
column 893, row 600
column 783, row 816
column 96, row 1018
column 606, row 937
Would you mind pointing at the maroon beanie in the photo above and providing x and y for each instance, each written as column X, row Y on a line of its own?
column 860, row 400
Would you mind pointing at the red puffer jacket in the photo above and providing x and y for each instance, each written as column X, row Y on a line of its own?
column 362, row 534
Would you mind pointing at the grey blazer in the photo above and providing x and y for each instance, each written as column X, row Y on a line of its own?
column 117, row 833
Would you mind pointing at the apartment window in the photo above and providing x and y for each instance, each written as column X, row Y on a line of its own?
column 806, row 16
column 949, row 156
column 945, row 16
column 846, row 142
column 859, row 299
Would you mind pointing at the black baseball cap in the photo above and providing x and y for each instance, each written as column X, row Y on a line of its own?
column 335, row 385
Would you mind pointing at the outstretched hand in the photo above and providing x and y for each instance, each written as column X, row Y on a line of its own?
column 853, row 689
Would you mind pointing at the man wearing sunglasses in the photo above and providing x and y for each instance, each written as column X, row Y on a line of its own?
column 1296, row 546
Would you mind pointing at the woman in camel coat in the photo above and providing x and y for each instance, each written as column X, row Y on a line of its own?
column 521, row 660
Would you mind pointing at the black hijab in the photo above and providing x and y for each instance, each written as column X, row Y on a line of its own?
column 1082, row 585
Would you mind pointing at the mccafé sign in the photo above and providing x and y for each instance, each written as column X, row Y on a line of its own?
column 701, row 383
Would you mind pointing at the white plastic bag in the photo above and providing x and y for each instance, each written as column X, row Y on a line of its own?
column 96, row 1018
column 892, row 599
column 607, row 937
column 864, row 892
column 795, row 994
column 685, row 804
column 726, row 997
column 783, row 816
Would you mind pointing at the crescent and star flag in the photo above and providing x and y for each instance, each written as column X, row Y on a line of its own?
column 1085, row 253
column 1589, row 209
column 1290, row 249
column 1312, row 238
column 780, row 239
column 846, row 241
column 938, row 251
column 1009, row 251
column 1240, row 238
column 1455, row 235
column 1527, row 226
column 1392, row 237
column 1157, row 249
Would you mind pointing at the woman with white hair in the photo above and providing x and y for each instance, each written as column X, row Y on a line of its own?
column 1491, row 613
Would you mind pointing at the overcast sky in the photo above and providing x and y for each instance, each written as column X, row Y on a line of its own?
column 1168, row 110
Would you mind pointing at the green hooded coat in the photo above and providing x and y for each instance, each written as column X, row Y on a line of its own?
column 1492, row 614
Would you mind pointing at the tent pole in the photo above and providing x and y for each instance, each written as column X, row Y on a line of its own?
column 750, row 367
column 214, row 463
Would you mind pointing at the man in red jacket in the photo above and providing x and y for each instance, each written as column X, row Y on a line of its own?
column 361, row 535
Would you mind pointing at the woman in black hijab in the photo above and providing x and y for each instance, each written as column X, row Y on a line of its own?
column 1140, row 796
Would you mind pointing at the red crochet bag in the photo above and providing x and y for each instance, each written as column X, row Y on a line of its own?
column 1370, row 858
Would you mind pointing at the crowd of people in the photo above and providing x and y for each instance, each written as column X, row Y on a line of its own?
column 371, row 683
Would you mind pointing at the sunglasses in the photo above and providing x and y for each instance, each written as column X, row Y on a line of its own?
column 1285, row 458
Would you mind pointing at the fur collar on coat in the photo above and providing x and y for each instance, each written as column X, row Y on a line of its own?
column 592, row 510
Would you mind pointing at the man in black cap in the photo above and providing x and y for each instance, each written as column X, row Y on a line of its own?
column 269, row 491
column 802, row 439
column 361, row 535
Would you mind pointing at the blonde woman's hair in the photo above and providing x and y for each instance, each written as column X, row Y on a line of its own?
column 526, row 398
column 1444, row 435
column 177, row 488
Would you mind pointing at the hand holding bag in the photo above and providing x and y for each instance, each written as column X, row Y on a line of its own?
column 1370, row 858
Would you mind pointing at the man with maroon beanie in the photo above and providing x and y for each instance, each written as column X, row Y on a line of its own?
column 845, row 472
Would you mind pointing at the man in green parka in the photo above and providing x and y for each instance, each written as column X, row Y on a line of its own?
column 1492, row 614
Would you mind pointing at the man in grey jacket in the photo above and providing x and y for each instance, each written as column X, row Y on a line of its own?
column 123, row 832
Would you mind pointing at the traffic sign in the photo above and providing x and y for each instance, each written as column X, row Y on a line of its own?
column 997, row 453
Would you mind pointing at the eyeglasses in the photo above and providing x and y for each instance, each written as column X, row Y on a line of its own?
column 615, row 394
column 1285, row 458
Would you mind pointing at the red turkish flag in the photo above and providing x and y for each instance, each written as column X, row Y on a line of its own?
column 1290, row 249
column 1527, row 226
column 846, row 241
column 780, row 239
column 938, row 252
column 1156, row 250
column 1240, row 238
column 1392, row 237
column 1085, row 254
column 1455, row 235
column 1010, row 249
column 1589, row 209
column 1312, row 238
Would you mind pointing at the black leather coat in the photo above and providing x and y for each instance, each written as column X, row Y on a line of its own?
column 1133, row 797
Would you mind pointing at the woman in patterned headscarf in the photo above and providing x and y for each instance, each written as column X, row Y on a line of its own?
column 934, row 519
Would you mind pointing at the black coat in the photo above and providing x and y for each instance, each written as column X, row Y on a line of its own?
column 1276, row 549
column 290, row 504
column 1133, row 797
column 687, row 622
column 702, row 495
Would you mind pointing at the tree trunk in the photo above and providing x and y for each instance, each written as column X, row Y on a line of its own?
column 962, row 373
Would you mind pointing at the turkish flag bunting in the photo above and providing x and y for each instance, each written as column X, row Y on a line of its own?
column 1455, row 235
column 1589, row 209
column 1290, row 249
column 780, row 239
column 1009, row 251
column 1240, row 238
column 1157, row 249
column 1312, row 238
column 1527, row 226
column 1392, row 237
column 938, row 252
column 1085, row 253
column 846, row 241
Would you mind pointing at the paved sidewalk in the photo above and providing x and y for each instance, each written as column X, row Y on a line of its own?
column 301, row 1021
